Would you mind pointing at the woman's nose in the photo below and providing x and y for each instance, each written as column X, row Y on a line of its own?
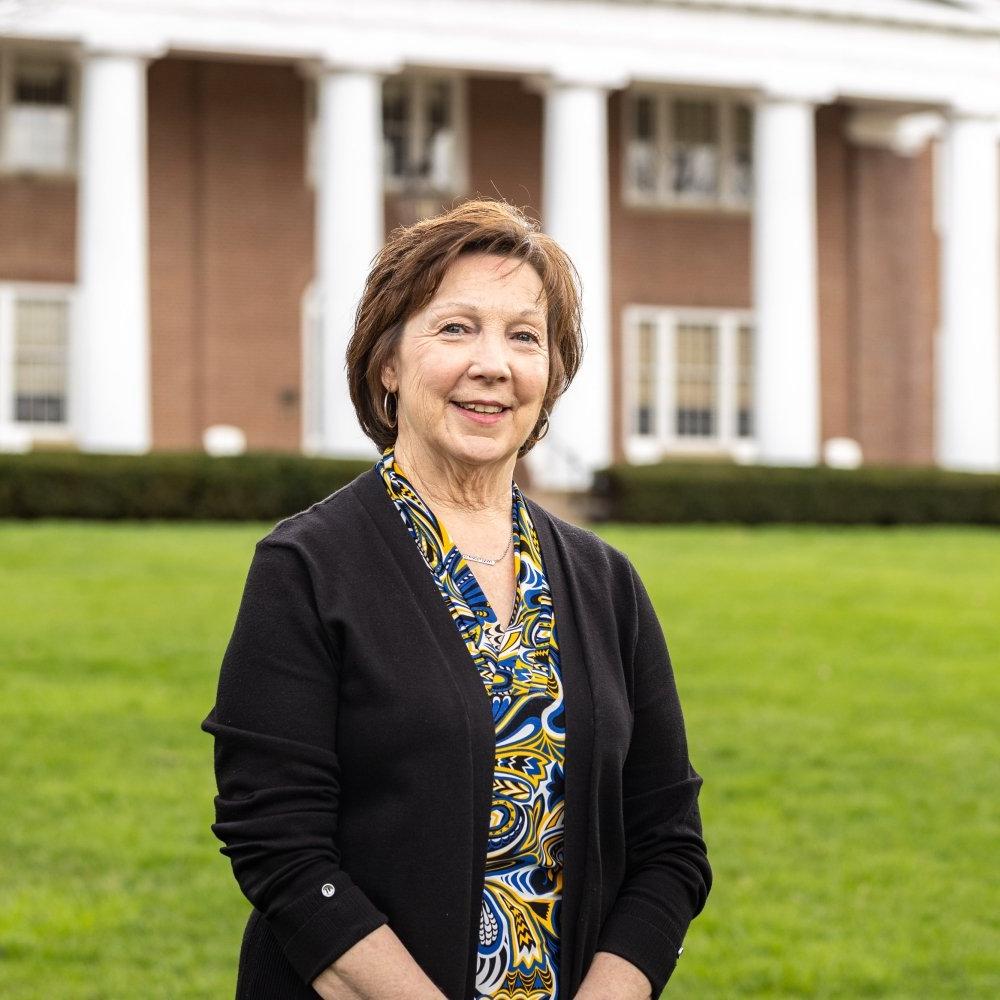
column 489, row 356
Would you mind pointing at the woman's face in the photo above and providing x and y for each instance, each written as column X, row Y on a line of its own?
column 481, row 340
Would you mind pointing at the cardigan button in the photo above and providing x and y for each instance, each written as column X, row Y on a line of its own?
column 328, row 890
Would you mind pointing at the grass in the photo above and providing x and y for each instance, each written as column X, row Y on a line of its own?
column 840, row 688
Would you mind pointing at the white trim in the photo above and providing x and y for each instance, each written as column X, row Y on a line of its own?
column 974, row 16
column 311, row 392
column 664, row 441
column 310, row 116
column 667, row 393
column 663, row 110
column 10, row 50
column 904, row 134
column 726, row 376
column 6, row 363
column 18, row 430
column 645, row 447
column 894, row 50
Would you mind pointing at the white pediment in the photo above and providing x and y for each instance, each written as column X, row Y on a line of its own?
column 947, row 15
column 912, row 55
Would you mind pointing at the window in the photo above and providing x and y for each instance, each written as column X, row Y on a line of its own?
column 422, row 134
column 642, row 150
column 687, row 150
column 36, row 113
column 420, row 119
column 694, row 150
column 696, row 376
column 35, row 324
column 744, row 380
column 741, row 167
column 645, row 380
column 688, row 380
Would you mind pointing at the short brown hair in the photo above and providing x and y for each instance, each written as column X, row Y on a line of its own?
column 408, row 271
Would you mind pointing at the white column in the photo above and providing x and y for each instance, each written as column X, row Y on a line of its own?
column 112, row 377
column 786, row 350
column 575, row 213
column 349, row 232
column 968, row 349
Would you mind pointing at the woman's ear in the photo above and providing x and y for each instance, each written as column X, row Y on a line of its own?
column 389, row 381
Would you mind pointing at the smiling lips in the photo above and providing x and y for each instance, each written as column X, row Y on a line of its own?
column 482, row 411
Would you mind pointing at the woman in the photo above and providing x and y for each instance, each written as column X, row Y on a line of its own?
column 450, row 757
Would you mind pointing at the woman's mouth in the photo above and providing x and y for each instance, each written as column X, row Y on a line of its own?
column 481, row 413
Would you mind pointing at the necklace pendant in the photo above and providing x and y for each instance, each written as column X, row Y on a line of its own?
column 489, row 562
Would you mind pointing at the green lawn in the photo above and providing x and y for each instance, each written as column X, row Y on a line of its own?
column 841, row 693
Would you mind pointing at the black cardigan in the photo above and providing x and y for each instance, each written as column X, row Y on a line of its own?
column 354, row 753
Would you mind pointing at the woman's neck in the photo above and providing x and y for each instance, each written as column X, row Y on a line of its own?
column 454, row 487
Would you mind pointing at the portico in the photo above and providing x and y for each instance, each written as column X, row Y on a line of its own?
column 747, row 379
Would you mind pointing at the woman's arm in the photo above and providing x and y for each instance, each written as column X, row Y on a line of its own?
column 378, row 967
column 277, row 770
column 667, row 873
column 611, row 977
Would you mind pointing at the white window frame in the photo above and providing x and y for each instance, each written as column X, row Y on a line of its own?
column 663, row 99
column 416, row 78
column 664, row 441
column 9, row 54
column 12, row 430
column 312, row 371
column 310, row 144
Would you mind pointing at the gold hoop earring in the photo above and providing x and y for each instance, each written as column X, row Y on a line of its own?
column 385, row 409
column 539, row 437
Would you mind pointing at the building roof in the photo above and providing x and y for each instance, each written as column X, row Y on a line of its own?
column 945, row 14
column 948, row 15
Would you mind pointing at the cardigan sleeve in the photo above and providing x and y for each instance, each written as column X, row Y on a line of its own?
column 274, row 723
column 667, row 872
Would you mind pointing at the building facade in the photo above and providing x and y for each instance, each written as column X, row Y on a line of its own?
column 784, row 214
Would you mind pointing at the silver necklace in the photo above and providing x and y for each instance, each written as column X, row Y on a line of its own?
column 489, row 562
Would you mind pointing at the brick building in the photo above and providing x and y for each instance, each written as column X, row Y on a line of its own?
column 784, row 212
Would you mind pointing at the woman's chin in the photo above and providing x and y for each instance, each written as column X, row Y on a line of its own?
column 472, row 449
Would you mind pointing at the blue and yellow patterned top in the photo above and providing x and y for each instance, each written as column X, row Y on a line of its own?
column 518, row 957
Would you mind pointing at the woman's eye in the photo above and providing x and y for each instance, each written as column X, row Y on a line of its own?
column 447, row 328
column 532, row 337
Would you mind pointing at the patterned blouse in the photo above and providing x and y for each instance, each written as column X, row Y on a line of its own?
column 518, row 956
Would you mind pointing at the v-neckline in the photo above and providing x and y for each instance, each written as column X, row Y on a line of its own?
column 470, row 588
column 515, row 606
column 370, row 493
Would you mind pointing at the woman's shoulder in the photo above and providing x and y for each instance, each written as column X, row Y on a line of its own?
column 323, row 522
column 580, row 543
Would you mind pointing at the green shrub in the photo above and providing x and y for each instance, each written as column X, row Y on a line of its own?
column 268, row 486
column 672, row 492
column 169, row 485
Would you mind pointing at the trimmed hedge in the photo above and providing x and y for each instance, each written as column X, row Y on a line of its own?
column 755, row 494
column 261, row 486
column 268, row 486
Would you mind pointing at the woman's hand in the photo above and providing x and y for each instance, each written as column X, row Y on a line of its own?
column 378, row 967
column 612, row 977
